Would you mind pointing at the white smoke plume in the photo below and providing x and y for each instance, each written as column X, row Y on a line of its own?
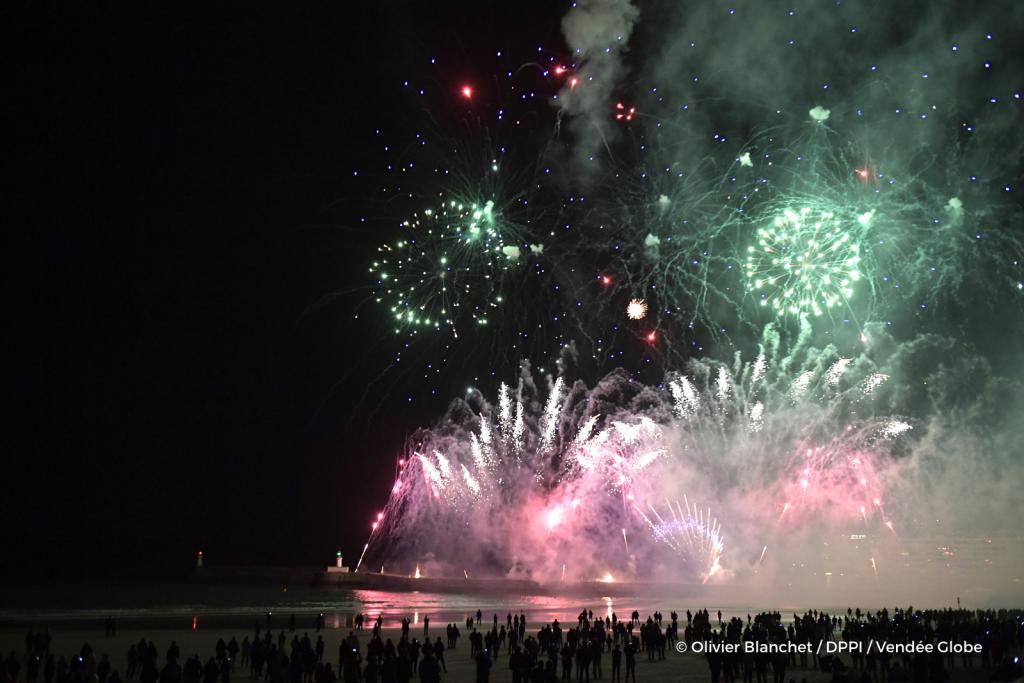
column 597, row 32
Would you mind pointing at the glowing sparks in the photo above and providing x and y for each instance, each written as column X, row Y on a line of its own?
column 686, row 400
column 478, row 451
column 619, row 454
column 805, row 262
column 444, row 465
column 636, row 309
column 894, row 428
column 873, row 382
column 445, row 270
column 836, row 372
column 505, row 409
column 518, row 427
column 722, row 386
column 691, row 532
column 471, row 481
column 624, row 112
column 432, row 474
column 800, row 385
column 756, row 423
column 551, row 411
column 759, row 369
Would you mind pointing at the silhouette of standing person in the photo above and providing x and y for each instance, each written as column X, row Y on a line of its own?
column 439, row 653
column 483, row 667
column 631, row 661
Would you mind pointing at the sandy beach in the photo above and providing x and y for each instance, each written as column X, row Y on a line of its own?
column 67, row 640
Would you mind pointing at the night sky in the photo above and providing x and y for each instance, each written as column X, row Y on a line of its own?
column 184, row 192
column 199, row 198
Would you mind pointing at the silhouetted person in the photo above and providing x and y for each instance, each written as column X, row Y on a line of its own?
column 102, row 669
column 519, row 664
column 715, row 665
column 211, row 672
column 403, row 668
column 430, row 671
column 439, row 653
column 483, row 667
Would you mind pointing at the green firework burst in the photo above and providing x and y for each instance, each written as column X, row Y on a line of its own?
column 445, row 269
column 805, row 262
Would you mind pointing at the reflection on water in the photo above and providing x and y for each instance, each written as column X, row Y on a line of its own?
column 452, row 608
column 198, row 606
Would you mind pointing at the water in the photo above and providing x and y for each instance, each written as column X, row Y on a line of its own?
column 191, row 605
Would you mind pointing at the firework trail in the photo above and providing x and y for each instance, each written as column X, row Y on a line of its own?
column 691, row 533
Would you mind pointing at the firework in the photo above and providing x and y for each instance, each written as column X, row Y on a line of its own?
column 624, row 112
column 447, row 269
column 789, row 441
column 826, row 215
column 551, row 411
column 637, row 309
column 806, row 262
column 692, row 533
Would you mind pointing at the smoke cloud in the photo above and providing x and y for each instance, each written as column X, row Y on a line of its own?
column 597, row 32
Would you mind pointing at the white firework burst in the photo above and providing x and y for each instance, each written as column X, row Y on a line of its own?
column 636, row 309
